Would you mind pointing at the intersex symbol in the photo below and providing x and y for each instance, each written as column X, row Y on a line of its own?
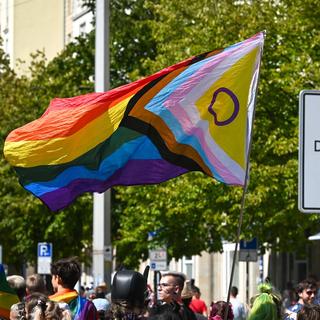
column 236, row 106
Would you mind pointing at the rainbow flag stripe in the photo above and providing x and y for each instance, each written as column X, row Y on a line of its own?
column 192, row 116
column 8, row 297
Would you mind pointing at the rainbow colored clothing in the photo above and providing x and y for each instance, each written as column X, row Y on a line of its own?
column 81, row 308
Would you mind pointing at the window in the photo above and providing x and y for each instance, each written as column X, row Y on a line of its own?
column 188, row 267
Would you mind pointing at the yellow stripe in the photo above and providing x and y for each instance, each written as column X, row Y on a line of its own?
column 63, row 150
column 231, row 137
column 7, row 300
column 66, row 297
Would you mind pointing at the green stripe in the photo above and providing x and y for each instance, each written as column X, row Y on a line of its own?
column 7, row 300
column 4, row 285
column 91, row 160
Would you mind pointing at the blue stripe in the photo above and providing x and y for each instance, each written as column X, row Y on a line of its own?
column 139, row 149
column 190, row 140
column 155, row 105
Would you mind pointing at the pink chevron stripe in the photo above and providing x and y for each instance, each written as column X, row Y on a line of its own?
column 173, row 104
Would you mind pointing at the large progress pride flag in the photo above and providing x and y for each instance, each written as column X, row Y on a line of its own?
column 8, row 296
column 193, row 116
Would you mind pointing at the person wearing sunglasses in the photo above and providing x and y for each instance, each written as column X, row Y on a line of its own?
column 169, row 293
column 306, row 290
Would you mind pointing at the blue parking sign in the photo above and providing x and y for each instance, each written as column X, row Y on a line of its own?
column 249, row 245
column 44, row 249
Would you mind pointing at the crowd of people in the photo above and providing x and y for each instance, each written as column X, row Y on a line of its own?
column 132, row 298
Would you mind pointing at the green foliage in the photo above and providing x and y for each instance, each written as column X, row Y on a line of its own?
column 24, row 220
column 193, row 213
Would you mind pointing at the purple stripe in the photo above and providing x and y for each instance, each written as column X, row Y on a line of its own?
column 134, row 173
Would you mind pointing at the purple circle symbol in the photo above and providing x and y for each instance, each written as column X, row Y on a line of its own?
column 235, row 103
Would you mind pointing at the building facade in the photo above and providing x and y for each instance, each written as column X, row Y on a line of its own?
column 47, row 26
column 212, row 271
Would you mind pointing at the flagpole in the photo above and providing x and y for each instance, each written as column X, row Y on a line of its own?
column 244, row 190
column 101, row 243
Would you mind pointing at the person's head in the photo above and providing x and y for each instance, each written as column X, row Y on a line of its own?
column 234, row 291
column 187, row 293
column 196, row 292
column 170, row 286
column 36, row 306
column 100, row 292
column 65, row 273
column 306, row 290
column 35, row 283
column 18, row 284
column 102, row 305
column 53, row 311
column 266, row 304
column 309, row 312
column 218, row 310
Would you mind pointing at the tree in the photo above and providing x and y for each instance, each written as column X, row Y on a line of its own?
column 193, row 213
column 24, row 220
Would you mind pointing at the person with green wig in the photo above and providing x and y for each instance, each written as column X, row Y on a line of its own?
column 266, row 305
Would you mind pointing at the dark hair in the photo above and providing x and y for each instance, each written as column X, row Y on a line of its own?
column 179, row 278
column 100, row 292
column 53, row 311
column 219, row 308
column 196, row 289
column 309, row 312
column 68, row 270
column 34, row 300
column 306, row 284
column 35, row 283
column 234, row 291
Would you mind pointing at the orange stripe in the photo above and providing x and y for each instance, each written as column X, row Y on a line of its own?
column 166, row 134
column 47, row 127
column 65, row 297
column 60, row 122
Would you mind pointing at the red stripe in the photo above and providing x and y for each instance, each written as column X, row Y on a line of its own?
column 4, row 313
column 72, row 114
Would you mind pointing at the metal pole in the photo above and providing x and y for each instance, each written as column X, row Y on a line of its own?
column 247, row 282
column 101, row 202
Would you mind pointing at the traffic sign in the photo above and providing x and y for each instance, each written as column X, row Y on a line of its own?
column 158, row 259
column 309, row 151
column 158, row 265
column 248, row 255
column 248, row 250
column 158, row 255
column 249, row 245
column 44, row 249
column 107, row 253
column 44, row 257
